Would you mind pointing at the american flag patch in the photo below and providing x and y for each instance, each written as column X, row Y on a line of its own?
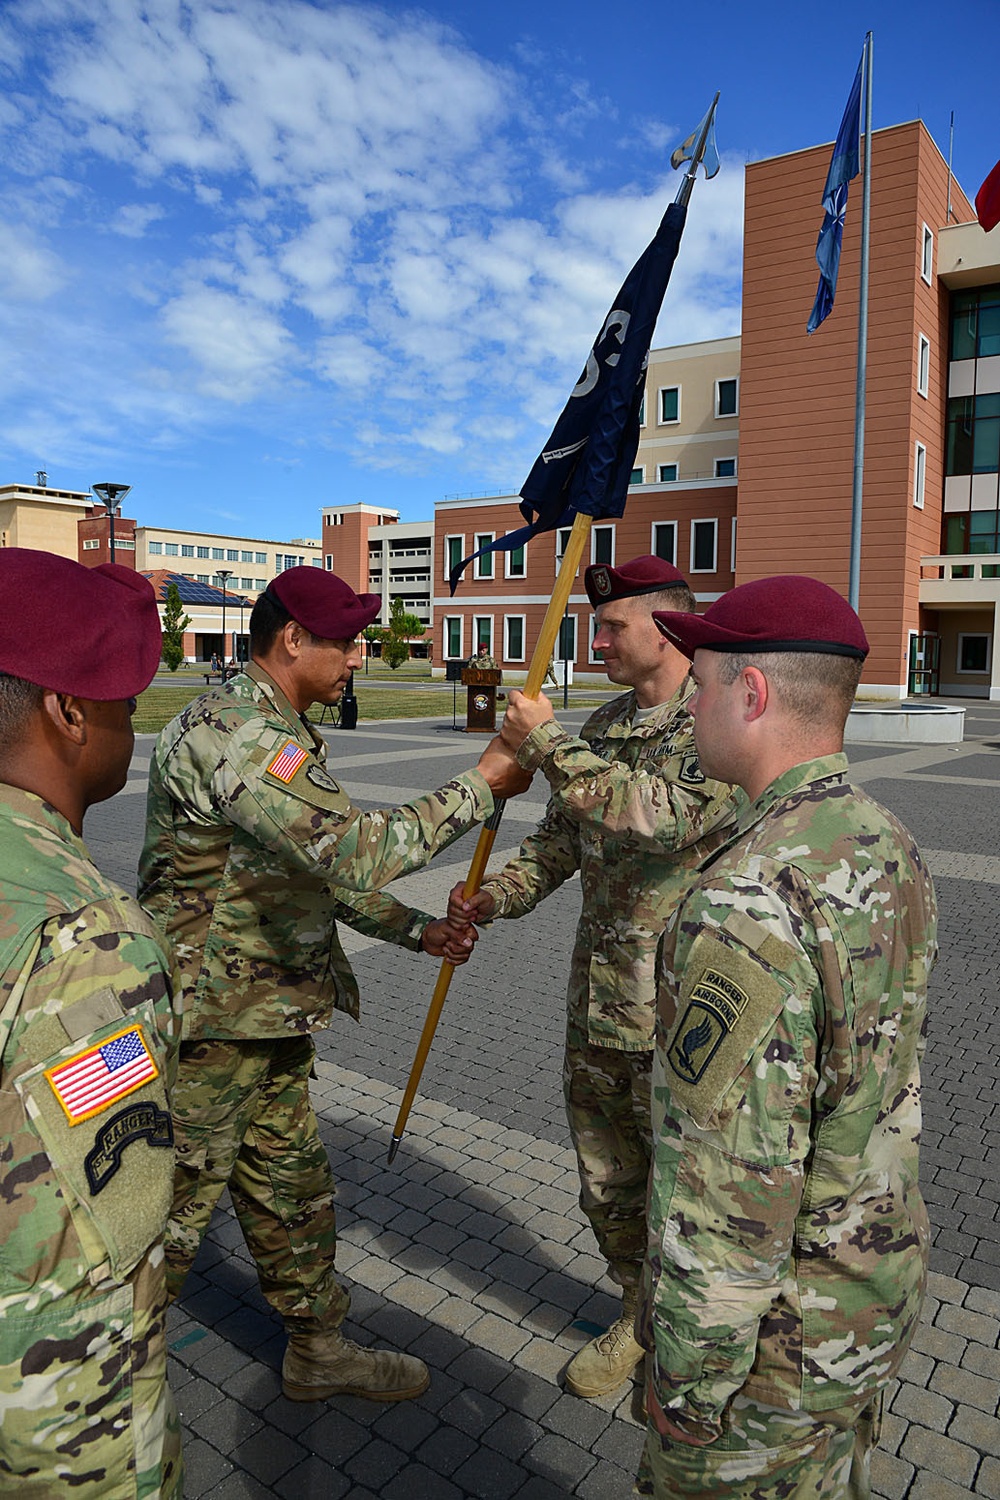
column 287, row 761
column 92, row 1080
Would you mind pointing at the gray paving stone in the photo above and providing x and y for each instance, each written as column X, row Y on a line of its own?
column 489, row 1476
column 557, row 1459
column 446, row 1449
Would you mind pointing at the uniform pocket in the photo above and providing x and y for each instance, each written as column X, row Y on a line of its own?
column 100, row 1108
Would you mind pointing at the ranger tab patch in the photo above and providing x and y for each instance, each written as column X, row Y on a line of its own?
column 141, row 1121
column 90, row 1081
column 287, row 761
column 714, row 1009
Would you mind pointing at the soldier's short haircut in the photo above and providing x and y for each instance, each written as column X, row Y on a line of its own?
column 19, row 701
column 677, row 597
column 816, row 688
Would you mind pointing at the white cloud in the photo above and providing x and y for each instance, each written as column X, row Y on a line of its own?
column 133, row 219
column 240, row 348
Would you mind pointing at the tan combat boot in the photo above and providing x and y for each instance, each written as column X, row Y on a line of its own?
column 317, row 1365
column 607, row 1361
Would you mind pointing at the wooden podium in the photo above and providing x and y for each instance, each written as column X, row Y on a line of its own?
column 481, row 702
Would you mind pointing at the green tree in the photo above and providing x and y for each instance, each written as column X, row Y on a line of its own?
column 395, row 643
column 175, row 622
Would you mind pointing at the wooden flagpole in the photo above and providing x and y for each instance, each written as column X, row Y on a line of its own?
column 544, row 647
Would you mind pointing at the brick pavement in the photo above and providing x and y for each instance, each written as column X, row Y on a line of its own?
column 471, row 1251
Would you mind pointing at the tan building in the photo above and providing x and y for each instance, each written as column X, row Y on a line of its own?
column 33, row 515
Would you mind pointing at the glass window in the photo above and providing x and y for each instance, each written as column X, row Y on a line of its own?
column 260, row 584
column 973, row 653
column 156, row 548
column 484, row 564
column 261, row 557
column 703, row 546
column 186, row 551
column 232, row 554
column 973, row 443
column 635, row 477
column 725, row 468
column 927, row 255
column 642, row 410
column 246, row 583
column 92, row 544
column 665, row 541
column 218, row 554
column 484, row 632
column 171, row 549
column 454, row 552
column 202, row 577
column 668, row 473
column 515, row 563
column 726, row 398
column 566, row 647
column 923, row 364
column 975, row 323
column 603, row 549
column 515, row 638
column 670, row 403
column 453, row 635
column 202, row 552
column 919, row 475
column 246, row 556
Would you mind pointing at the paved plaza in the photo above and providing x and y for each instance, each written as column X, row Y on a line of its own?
column 471, row 1251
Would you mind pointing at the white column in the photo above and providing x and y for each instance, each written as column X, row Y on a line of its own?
column 995, row 664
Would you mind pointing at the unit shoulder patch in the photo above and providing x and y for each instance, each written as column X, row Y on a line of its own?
column 714, row 1010
column 321, row 778
column 691, row 771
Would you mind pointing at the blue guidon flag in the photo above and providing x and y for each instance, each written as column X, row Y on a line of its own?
column 586, row 465
column 845, row 164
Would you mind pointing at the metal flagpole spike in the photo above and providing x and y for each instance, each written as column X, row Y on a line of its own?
column 700, row 150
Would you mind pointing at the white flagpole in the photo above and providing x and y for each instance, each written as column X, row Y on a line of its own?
column 854, row 586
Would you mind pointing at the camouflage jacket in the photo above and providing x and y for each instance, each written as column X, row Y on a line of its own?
column 787, row 1235
column 632, row 811
column 87, row 1165
column 253, row 851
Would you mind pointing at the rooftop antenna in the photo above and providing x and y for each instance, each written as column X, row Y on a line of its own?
column 951, row 150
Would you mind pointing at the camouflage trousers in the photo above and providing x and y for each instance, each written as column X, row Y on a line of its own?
column 86, row 1407
column 243, row 1120
column 767, row 1454
column 608, row 1108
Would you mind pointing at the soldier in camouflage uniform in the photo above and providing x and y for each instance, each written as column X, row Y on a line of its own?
column 787, row 1236
column 632, row 811
column 252, row 854
column 87, row 1037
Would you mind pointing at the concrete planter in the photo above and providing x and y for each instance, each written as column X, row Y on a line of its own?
column 912, row 724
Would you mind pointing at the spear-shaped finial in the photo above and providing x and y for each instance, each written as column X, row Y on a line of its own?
column 699, row 148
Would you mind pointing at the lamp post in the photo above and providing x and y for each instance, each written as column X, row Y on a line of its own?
column 239, row 655
column 225, row 574
column 111, row 497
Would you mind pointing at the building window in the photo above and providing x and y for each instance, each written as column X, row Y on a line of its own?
column 732, row 548
column 566, row 645
column 484, row 564
column 514, row 645
column 670, row 403
column 92, row 544
column 704, row 535
column 975, row 323
column 668, row 473
column 516, row 565
column 636, row 476
column 171, row 549
column 973, row 439
column 482, row 632
column 727, row 398
column 124, row 544
column 562, row 542
column 923, row 364
column 665, row 540
column 316, row 562
column 453, row 636
column 454, row 551
column 218, row 555
column 919, row 475
column 974, row 652
column 202, row 552
column 642, row 410
column 156, row 548
column 246, row 556
column 232, row 554
column 260, row 584
column 246, row 583
column 186, row 551
column 725, row 468
column 927, row 256
column 261, row 557
column 602, row 545
column 202, row 577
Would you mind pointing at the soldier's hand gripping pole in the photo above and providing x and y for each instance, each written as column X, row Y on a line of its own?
column 544, row 647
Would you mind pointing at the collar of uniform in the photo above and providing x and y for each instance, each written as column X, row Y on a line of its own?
column 622, row 712
column 26, row 806
column 825, row 768
column 296, row 722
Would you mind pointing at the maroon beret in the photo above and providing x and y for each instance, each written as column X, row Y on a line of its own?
column 789, row 613
column 643, row 575
column 92, row 632
column 324, row 604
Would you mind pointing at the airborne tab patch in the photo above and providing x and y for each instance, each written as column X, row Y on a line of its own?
column 714, row 1009
column 90, row 1081
column 287, row 761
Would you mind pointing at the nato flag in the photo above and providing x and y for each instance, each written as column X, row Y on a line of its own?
column 586, row 464
column 844, row 164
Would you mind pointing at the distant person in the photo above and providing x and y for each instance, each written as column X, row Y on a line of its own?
column 216, row 664
column 253, row 853
column 88, row 1034
column 632, row 811
column 481, row 658
column 787, row 1236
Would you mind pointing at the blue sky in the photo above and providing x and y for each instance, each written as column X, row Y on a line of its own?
column 265, row 255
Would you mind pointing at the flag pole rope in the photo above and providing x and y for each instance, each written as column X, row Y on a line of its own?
column 544, row 646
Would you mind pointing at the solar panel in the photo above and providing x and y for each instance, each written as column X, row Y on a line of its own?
column 193, row 592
